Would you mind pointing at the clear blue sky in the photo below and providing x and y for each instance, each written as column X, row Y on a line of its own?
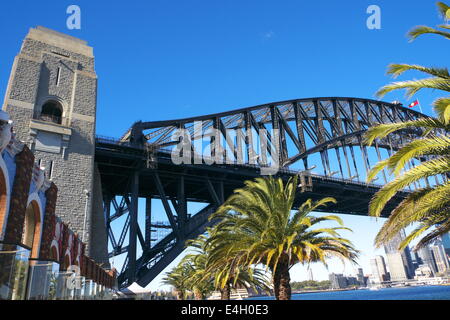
column 164, row 59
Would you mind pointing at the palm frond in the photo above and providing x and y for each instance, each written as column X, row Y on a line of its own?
column 397, row 69
column 424, row 170
column 413, row 86
column 442, row 109
column 443, row 10
column 420, row 30
column 383, row 130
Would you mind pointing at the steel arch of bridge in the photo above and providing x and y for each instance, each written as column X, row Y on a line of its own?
column 140, row 165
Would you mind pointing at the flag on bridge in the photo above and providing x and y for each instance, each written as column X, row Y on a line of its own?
column 413, row 104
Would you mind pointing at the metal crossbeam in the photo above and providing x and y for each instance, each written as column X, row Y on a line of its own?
column 302, row 130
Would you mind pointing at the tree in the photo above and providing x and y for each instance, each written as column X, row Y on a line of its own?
column 221, row 273
column 256, row 227
column 228, row 276
column 430, row 206
column 177, row 278
column 199, row 279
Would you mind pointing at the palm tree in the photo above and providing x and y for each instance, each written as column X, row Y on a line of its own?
column 177, row 278
column 211, row 273
column 428, row 206
column 256, row 227
column 228, row 275
column 199, row 280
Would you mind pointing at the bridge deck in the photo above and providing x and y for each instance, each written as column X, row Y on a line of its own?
column 116, row 162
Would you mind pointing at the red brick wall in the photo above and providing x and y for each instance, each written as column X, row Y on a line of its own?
column 49, row 225
column 19, row 196
column 63, row 261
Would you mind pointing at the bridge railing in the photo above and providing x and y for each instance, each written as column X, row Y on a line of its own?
column 114, row 141
column 207, row 159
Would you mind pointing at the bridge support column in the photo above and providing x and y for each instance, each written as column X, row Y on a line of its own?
column 133, row 228
column 182, row 205
column 148, row 221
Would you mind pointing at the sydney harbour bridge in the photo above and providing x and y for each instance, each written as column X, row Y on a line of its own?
column 319, row 139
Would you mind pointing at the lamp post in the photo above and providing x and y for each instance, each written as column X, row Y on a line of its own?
column 86, row 192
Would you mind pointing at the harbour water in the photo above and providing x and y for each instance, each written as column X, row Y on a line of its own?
column 401, row 293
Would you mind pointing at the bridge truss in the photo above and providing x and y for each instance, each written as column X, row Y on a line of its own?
column 320, row 138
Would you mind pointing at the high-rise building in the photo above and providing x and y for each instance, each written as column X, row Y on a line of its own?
column 338, row 281
column 310, row 275
column 352, row 281
column 440, row 257
column 446, row 243
column 376, row 277
column 415, row 260
column 382, row 268
column 397, row 268
column 379, row 272
column 360, row 277
column 425, row 257
column 399, row 262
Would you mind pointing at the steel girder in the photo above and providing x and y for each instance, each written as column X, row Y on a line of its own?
column 306, row 127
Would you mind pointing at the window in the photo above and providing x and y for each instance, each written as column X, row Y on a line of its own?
column 50, row 170
column 51, row 112
column 58, row 76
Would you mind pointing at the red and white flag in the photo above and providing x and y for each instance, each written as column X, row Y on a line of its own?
column 413, row 104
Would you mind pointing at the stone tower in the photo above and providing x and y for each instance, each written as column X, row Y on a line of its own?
column 51, row 97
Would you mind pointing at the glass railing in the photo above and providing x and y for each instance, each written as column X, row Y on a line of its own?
column 42, row 280
column 13, row 272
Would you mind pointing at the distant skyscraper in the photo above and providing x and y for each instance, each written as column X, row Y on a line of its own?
column 379, row 272
column 382, row 267
column 446, row 243
column 397, row 269
column 415, row 260
column 352, row 281
column 310, row 275
column 360, row 277
column 440, row 257
column 376, row 277
column 338, row 281
column 399, row 262
column 425, row 257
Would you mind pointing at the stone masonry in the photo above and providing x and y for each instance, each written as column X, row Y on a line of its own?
column 54, row 67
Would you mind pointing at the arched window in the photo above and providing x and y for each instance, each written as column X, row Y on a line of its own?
column 51, row 112
column 31, row 234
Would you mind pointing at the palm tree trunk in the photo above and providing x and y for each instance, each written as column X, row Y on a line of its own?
column 225, row 293
column 282, row 282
